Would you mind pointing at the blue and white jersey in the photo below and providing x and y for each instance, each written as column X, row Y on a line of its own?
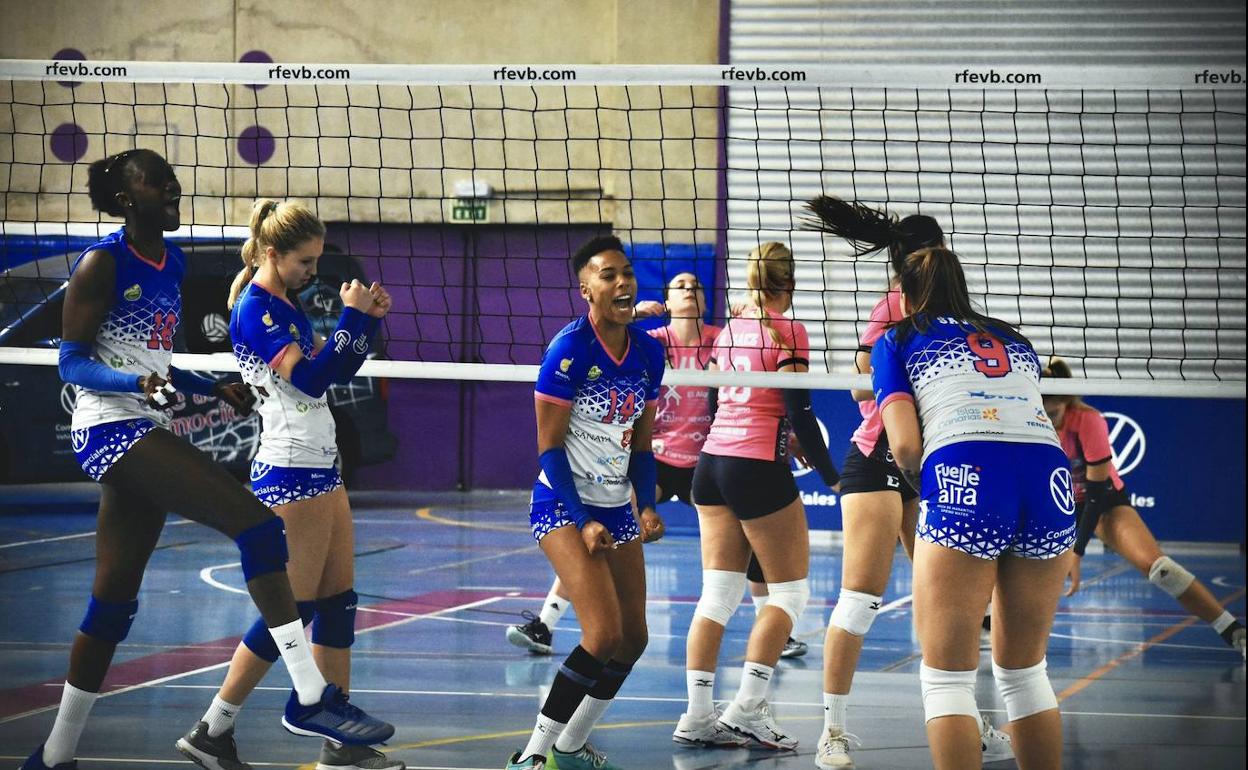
column 966, row 385
column 606, row 396
column 136, row 336
column 297, row 430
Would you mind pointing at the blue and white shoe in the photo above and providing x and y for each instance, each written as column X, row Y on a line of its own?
column 528, row 763
column 35, row 762
column 334, row 717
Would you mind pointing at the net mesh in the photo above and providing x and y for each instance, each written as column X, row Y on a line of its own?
column 1109, row 224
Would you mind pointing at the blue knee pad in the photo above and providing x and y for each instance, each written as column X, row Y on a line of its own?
column 263, row 548
column 260, row 641
column 334, row 625
column 109, row 621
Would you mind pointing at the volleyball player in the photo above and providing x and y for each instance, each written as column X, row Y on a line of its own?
column 878, row 506
column 681, row 423
column 293, row 472
column 748, row 501
column 1104, row 508
column 997, row 508
column 122, row 308
column 596, row 397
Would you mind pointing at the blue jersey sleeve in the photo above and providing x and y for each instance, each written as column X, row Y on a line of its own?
column 888, row 370
column 558, row 376
column 265, row 329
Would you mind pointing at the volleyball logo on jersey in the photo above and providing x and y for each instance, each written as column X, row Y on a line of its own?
column 1126, row 440
column 1062, row 489
column 958, row 485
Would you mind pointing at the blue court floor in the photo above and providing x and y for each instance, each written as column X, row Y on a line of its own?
column 440, row 577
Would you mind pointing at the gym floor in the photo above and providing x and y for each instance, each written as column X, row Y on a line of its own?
column 440, row 576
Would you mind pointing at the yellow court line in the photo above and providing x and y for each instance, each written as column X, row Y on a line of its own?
column 1087, row 680
column 428, row 515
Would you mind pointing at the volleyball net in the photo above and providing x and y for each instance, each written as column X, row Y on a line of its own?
column 1101, row 211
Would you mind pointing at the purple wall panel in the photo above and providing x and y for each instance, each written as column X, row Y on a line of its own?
column 465, row 293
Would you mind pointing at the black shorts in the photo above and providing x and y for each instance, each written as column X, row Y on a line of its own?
column 674, row 481
column 751, row 488
column 875, row 473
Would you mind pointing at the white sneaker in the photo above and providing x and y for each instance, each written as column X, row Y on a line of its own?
column 706, row 731
column 1239, row 640
column 833, row 750
column 756, row 721
column 996, row 744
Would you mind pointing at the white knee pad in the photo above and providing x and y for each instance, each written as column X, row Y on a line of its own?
column 790, row 597
column 855, row 611
column 1170, row 576
column 721, row 595
column 947, row 693
column 1026, row 691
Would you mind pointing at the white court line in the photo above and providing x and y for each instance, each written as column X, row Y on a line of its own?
column 663, row 699
column 75, row 536
column 1138, row 642
column 173, row 677
column 465, row 562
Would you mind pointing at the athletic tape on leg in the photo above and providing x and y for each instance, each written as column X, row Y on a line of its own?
column 721, row 595
column 1026, row 691
column 109, row 621
column 334, row 625
column 947, row 693
column 790, row 597
column 1170, row 576
column 260, row 641
column 263, row 548
column 855, row 611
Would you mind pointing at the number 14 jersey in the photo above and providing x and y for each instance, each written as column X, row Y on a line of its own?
column 967, row 385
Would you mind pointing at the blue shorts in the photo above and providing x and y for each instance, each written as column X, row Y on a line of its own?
column 988, row 498
column 274, row 485
column 99, row 447
column 546, row 514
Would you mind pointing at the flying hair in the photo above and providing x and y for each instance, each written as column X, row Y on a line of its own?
column 869, row 229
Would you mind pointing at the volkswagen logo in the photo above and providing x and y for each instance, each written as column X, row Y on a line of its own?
column 1062, row 490
column 1126, row 439
column 68, row 397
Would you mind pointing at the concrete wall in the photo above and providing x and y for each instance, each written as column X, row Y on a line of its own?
column 643, row 158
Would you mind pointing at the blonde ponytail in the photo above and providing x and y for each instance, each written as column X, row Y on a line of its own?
column 768, row 272
column 284, row 226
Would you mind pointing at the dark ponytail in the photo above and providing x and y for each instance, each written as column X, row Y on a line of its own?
column 868, row 229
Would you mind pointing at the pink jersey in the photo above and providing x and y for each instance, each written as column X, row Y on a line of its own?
column 684, row 415
column 886, row 313
column 751, row 422
column 1085, row 437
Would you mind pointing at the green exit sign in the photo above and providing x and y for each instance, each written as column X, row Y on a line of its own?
column 470, row 210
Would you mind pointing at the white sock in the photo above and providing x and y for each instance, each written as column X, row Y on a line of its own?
column 71, row 717
column 553, row 609
column 755, row 679
column 545, row 733
column 760, row 602
column 834, row 707
column 220, row 716
column 577, row 732
column 701, row 688
column 1223, row 622
column 297, row 654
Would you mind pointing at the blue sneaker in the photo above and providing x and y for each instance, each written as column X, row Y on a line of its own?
column 336, row 719
column 529, row 763
column 35, row 762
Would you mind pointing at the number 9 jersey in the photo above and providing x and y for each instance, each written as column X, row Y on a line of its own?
column 967, row 385
column 136, row 335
